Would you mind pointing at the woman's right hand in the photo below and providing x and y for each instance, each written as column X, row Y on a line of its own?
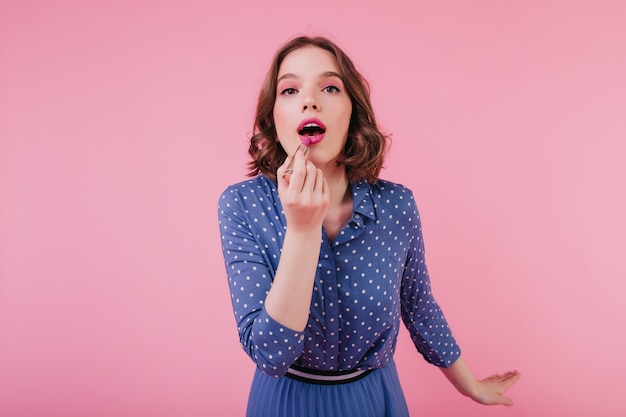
column 304, row 193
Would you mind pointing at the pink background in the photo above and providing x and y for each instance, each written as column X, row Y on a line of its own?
column 121, row 122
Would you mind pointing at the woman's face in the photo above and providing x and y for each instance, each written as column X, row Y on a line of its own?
column 312, row 106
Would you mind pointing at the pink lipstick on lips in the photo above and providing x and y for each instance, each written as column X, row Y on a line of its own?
column 311, row 131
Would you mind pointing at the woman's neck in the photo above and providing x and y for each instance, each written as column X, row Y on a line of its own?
column 339, row 187
column 340, row 206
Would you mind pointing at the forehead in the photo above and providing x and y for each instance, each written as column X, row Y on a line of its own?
column 308, row 60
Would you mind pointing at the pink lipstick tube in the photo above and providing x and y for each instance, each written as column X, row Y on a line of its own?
column 289, row 169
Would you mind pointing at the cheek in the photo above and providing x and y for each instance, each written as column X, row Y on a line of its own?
column 280, row 119
column 347, row 114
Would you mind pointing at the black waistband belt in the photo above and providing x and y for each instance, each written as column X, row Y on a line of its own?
column 314, row 376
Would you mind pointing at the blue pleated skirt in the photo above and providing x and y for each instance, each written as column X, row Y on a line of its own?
column 378, row 394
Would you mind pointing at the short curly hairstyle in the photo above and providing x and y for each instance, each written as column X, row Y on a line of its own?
column 366, row 145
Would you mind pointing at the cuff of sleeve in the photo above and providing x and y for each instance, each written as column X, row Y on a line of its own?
column 443, row 356
column 447, row 358
column 276, row 346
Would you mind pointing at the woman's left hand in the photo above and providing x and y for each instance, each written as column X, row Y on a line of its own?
column 490, row 391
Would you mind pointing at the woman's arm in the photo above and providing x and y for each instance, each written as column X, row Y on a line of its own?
column 304, row 196
column 421, row 313
column 488, row 391
column 289, row 299
column 271, row 279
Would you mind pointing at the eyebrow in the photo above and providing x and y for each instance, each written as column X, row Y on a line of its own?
column 325, row 74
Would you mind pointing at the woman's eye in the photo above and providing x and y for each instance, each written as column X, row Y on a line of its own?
column 331, row 89
column 289, row 91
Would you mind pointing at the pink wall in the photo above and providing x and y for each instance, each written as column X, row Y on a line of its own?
column 121, row 122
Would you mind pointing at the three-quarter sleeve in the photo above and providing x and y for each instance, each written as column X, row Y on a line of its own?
column 250, row 267
column 421, row 313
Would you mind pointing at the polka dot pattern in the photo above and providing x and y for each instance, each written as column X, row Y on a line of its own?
column 372, row 276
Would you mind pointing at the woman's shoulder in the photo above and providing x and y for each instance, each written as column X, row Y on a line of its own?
column 386, row 188
column 252, row 195
column 394, row 198
column 257, row 185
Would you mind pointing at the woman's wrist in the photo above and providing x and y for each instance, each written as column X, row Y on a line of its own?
column 462, row 378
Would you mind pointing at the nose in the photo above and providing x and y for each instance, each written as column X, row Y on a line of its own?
column 310, row 102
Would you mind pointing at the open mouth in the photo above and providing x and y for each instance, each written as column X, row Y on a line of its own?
column 311, row 131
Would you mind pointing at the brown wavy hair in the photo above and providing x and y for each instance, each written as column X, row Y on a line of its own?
column 366, row 145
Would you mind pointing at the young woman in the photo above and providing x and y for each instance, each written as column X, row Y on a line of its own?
column 323, row 258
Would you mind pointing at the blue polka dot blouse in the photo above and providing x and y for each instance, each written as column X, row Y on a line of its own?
column 368, row 278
